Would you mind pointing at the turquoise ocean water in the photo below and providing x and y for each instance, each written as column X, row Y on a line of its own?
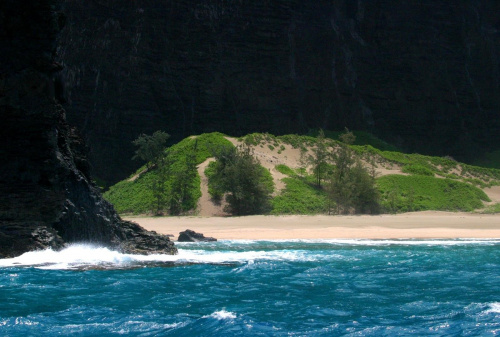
column 257, row 288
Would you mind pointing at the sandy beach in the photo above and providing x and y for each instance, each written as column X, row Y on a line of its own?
column 419, row 225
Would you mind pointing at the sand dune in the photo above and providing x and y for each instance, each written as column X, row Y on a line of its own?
column 431, row 224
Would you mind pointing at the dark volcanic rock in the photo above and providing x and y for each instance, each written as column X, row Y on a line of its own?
column 191, row 236
column 46, row 196
column 422, row 74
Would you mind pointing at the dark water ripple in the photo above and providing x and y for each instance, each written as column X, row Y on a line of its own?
column 261, row 289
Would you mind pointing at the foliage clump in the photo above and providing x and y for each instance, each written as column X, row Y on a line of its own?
column 150, row 147
column 492, row 209
column 237, row 175
column 282, row 168
column 319, row 158
column 300, row 197
column 419, row 193
column 351, row 187
column 417, row 169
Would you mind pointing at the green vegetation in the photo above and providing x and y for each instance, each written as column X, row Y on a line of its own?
column 492, row 209
column 442, row 166
column 341, row 178
column 150, row 147
column 351, row 188
column 246, row 185
column 417, row 169
column 298, row 141
column 419, row 193
column 175, row 187
column 299, row 197
column 285, row 170
column 318, row 158
column 349, row 185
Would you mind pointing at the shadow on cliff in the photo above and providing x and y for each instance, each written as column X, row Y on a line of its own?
column 47, row 198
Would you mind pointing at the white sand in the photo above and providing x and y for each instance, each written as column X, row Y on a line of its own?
column 422, row 225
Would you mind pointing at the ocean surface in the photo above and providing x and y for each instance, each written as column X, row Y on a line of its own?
column 257, row 288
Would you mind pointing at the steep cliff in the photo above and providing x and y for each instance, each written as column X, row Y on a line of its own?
column 46, row 197
column 422, row 74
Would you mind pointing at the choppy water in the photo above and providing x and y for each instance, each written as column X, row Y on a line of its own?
column 257, row 288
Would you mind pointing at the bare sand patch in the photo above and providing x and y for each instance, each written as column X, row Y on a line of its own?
column 206, row 206
column 493, row 193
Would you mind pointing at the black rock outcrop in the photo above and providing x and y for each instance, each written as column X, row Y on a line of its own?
column 47, row 198
column 424, row 75
column 191, row 236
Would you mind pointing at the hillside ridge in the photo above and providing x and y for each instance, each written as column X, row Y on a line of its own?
column 274, row 153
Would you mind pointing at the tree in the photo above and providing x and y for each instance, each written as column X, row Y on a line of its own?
column 150, row 148
column 319, row 158
column 159, row 188
column 351, row 186
column 247, row 185
column 181, row 181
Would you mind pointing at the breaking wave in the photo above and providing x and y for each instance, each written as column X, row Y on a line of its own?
column 84, row 256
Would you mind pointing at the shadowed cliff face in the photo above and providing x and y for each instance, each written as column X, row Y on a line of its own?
column 46, row 199
column 422, row 74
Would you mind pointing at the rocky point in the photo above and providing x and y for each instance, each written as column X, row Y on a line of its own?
column 47, row 198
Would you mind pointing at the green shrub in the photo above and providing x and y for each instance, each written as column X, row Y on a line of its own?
column 297, row 141
column 299, row 197
column 132, row 196
column 247, row 185
column 215, row 193
column 285, row 170
column 418, row 193
column 476, row 182
column 417, row 169
column 492, row 209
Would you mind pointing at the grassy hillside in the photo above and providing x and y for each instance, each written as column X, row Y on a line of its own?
column 420, row 192
column 406, row 182
column 445, row 167
column 135, row 195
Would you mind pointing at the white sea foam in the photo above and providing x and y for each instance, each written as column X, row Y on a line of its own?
column 80, row 256
column 83, row 256
column 221, row 315
column 494, row 308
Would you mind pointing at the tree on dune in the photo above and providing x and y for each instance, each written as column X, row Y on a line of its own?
column 245, row 183
column 150, row 148
column 318, row 158
column 350, row 186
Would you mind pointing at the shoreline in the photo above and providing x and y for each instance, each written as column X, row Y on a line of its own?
column 416, row 225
